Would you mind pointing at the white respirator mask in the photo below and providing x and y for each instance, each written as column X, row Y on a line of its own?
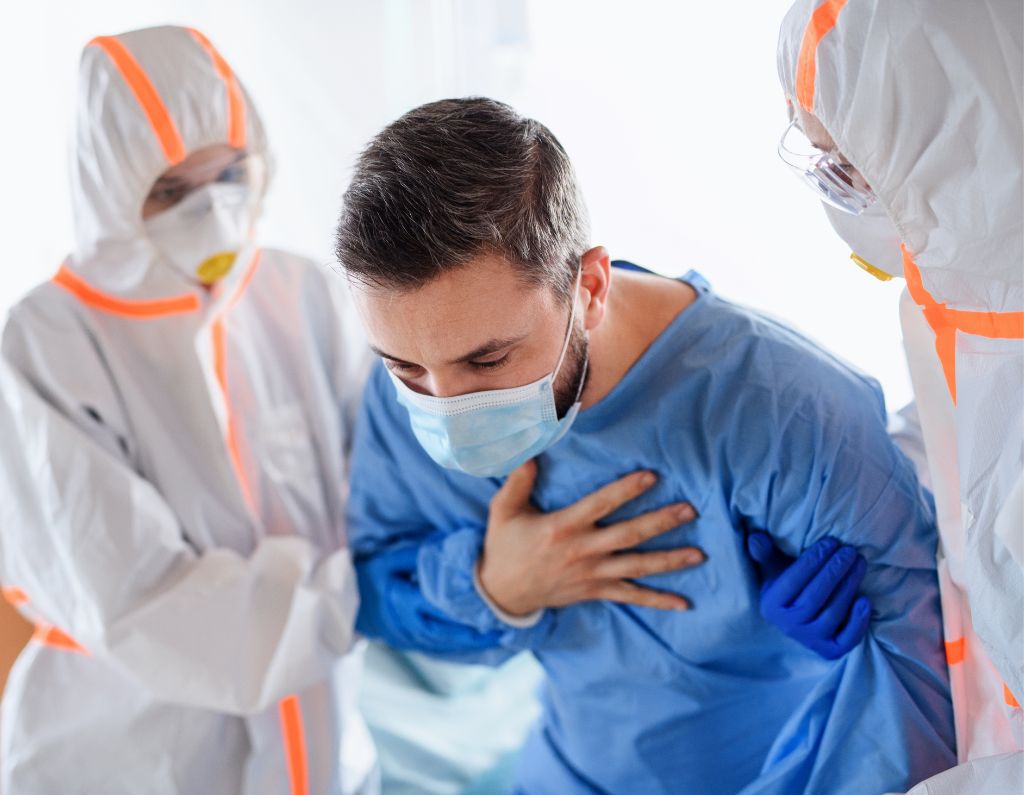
column 873, row 239
column 201, row 235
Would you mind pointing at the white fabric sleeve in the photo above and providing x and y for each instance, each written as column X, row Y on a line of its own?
column 905, row 431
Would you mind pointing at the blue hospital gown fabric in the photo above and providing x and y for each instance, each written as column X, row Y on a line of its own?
column 759, row 429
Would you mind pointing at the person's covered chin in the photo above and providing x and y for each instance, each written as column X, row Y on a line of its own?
column 871, row 236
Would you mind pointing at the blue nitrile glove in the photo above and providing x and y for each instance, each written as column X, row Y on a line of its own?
column 393, row 609
column 813, row 599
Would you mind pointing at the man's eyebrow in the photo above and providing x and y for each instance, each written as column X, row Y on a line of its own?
column 488, row 348
column 389, row 357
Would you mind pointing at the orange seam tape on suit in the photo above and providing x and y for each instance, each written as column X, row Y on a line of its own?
column 822, row 21
column 236, row 102
column 46, row 634
column 14, row 595
column 294, row 744
column 90, row 296
column 1009, row 699
column 946, row 322
column 54, row 638
column 955, row 650
column 146, row 94
column 220, row 370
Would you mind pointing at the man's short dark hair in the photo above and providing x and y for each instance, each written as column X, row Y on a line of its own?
column 456, row 179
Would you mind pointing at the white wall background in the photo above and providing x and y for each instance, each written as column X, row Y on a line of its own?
column 671, row 112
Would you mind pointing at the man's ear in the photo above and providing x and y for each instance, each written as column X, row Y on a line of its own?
column 595, row 281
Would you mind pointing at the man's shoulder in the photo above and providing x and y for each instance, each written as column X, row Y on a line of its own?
column 760, row 364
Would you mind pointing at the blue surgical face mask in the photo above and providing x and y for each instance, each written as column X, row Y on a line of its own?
column 488, row 434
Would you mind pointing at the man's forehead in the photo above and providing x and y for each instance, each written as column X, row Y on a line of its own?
column 457, row 312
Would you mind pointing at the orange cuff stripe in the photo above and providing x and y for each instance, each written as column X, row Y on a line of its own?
column 53, row 637
column 822, row 21
column 134, row 75
column 294, row 744
column 90, row 296
column 1009, row 699
column 955, row 651
column 236, row 102
column 14, row 595
column 945, row 322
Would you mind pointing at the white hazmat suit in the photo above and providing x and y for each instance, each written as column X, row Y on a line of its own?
column 172, row 461
column 924, row 99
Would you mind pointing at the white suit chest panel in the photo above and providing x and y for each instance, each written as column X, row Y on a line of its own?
column 277, row 397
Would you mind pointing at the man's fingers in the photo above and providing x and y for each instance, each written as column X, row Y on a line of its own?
column 794, row 579
column 633, row 532
column 607, row 499
column 838, row 608
column 514, row 495
column 628, row 593
column 815, row 596
column 643, row 564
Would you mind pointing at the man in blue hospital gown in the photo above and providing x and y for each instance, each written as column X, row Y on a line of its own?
column 521, row 372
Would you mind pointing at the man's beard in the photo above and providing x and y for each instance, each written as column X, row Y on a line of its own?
column 572, row 380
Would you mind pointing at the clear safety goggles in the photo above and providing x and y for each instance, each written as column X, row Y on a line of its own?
column 246, row 169
column 835, row 182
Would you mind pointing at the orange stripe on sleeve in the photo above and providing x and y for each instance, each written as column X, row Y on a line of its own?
column 146, row 94
column 1009, row 699
column 90, row 296
column 955, row 651
column 236, row 102
column 294, row 744
column 822, row 21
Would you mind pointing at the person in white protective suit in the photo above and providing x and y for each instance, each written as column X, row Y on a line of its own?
column 907, row 120
column 173, row 428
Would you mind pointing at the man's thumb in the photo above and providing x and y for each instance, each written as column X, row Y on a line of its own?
column 514, row 495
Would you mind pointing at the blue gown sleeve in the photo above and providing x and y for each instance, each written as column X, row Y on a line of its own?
column 389, row 474
column 824, row 466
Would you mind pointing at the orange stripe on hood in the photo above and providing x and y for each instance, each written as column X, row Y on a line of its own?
column 146, row 94
column 822, row 21
column 236, row 102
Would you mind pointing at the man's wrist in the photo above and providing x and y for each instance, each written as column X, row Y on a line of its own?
column 516, row 621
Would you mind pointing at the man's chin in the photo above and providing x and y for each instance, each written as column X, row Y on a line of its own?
column 567, row 391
